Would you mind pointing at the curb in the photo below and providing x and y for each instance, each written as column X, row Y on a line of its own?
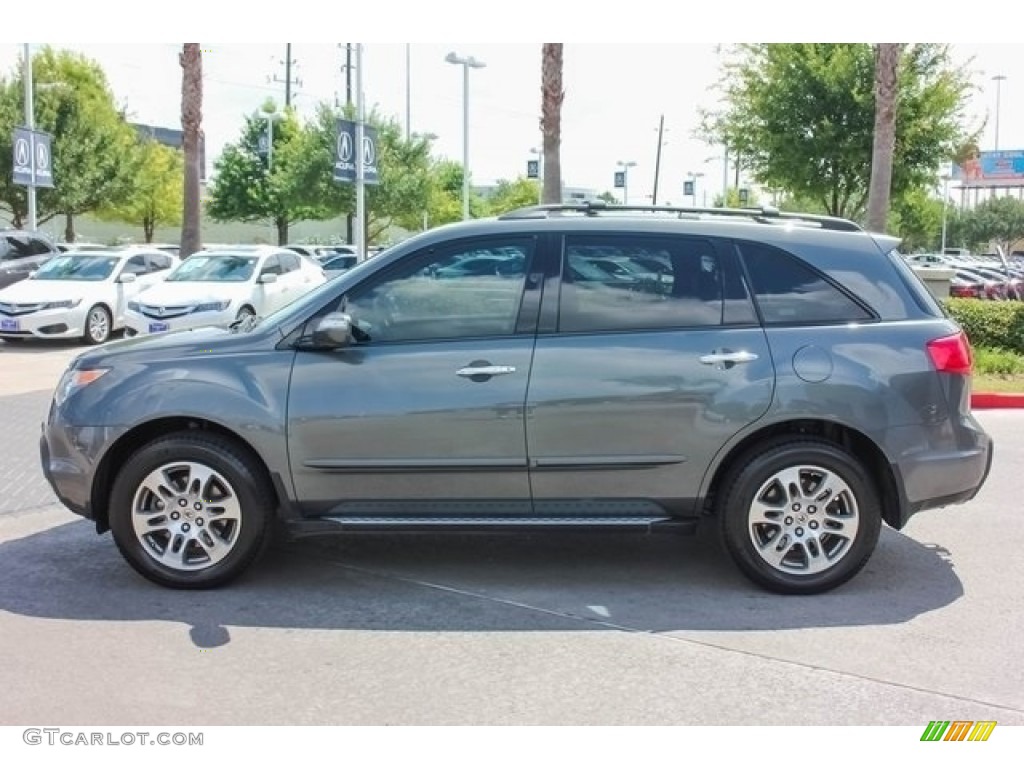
column 982, row 400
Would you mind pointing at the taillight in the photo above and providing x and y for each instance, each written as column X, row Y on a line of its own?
column 951, row 354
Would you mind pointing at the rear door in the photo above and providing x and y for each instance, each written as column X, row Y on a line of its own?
column 637, row 383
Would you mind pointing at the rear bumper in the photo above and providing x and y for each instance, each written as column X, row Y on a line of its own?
column 939, row 478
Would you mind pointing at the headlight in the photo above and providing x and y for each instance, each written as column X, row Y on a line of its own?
column 212, row 306
column 73, row 380
column 134, row 306
column 69, row 304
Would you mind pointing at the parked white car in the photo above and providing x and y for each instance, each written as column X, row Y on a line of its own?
column 219, row 287
column 80, row 294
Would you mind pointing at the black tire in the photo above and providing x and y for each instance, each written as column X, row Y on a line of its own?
column 244, row 528
column 96, row 333
column 819, row 541
column 14, row 340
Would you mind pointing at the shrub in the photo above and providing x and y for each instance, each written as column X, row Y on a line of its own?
column 994, row 324
column 997, row 361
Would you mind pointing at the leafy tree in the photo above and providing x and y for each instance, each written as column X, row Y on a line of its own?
column 552, row 96
column 91, row 140
column 509, row 195
column 732, row 199
column 155, row 191
column 996, row 221
column 404, row 190
column 191, row 61
column 917, row 218
column 608, row 197
column 802, row 118
column 245, row 189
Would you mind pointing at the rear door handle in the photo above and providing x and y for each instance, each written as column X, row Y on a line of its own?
column 723, row 358
column 485, row 370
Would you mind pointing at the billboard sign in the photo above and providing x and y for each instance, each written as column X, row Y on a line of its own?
column 1003, row 168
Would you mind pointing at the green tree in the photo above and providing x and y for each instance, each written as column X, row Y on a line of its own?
column 510, row 195
column 996, row 221
column 246, row 189
column 917, row 218
column 155, row 190
column 802, row 117
column 404, row 190
column 91, row 140
column 732, row 199
column 608, row 197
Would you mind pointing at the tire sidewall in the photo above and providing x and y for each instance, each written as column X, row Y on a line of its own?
column 255, row 512
column 88, row 332
column 748, row 481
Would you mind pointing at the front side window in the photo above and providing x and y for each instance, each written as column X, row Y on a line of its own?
column 623, row 282
column 455, row 291
column 136, row 265
column 789, row 291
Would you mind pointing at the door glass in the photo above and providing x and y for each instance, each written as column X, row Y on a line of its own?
column 462, row 290
column 613, row 283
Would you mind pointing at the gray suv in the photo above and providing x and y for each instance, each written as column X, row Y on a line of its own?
column 22, row 253
column 786, row 377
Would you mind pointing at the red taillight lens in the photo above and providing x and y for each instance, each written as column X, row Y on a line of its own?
column 951, row 354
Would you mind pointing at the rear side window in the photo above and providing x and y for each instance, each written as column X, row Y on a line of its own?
column 789, row 291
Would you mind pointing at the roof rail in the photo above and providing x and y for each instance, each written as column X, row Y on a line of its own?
column 764, row 214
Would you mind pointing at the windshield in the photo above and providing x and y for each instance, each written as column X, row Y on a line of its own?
column 79, row 267
column 214, row 269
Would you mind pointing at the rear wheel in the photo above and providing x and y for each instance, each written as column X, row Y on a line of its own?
column 800, row 516
column 191, row 511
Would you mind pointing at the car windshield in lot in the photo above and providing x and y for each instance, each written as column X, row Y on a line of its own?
column 78, row 267
column 210, row 268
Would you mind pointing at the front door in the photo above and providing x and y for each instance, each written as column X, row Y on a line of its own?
column 424, row 415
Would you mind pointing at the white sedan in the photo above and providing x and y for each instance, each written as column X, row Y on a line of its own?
column 217, row 287
column 80, row 294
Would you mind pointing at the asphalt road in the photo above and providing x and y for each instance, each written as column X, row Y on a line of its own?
column 524, row 629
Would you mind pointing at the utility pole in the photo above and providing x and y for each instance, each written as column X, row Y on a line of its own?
column 657, row 161
column 288, row 80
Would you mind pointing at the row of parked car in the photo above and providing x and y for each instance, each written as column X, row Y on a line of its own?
column 91, row 291
column 977, row 276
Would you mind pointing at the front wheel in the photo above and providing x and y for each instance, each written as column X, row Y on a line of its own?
column 191, row 511
column 97, row 325
column 800, row 516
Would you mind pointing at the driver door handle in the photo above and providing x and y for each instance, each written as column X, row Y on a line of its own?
column 720, row 358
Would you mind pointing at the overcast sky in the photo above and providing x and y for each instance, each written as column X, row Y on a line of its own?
column 615, row 94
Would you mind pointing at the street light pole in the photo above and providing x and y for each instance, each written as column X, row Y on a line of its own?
column 945, row 209
column 998, row 81
column 466, row 63
column 693, row 177
column 408, row 91
column 625, row 166
column 540, row 172
column 31, row 125
column 360, row 220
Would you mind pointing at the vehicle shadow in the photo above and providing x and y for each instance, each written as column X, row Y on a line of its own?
column 469, row 583
column 34, row 346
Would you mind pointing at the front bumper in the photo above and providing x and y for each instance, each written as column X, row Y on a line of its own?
column 138, row 324
column 44, row 324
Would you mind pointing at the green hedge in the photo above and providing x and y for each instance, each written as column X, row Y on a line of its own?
column 998, row 324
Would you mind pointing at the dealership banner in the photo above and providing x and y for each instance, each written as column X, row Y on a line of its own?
column 1003, row 168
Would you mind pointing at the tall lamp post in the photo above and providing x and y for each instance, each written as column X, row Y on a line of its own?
column 999, row 82
column 625, row 165
column 30, row 124
column 466, row 62
column 945, row 209
column 693, row 178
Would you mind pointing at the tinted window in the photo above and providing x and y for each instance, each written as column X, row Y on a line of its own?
column 39, row 247
column 12, row 247
column 272, row 266
column 159, row 262
column 788, row 290
column 445, row 293
column 289, row 262
column 625, row 283
column 136, row 266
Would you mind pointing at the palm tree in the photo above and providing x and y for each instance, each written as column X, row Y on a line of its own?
column 552, row 96
column 887, row 62
column 191, row 60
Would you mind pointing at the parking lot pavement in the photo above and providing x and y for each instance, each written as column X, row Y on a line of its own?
column 22, row 485
column 31, row 365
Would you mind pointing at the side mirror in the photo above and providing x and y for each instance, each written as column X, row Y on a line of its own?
column 269, row 278
column 332, row 331
column 127, row 277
